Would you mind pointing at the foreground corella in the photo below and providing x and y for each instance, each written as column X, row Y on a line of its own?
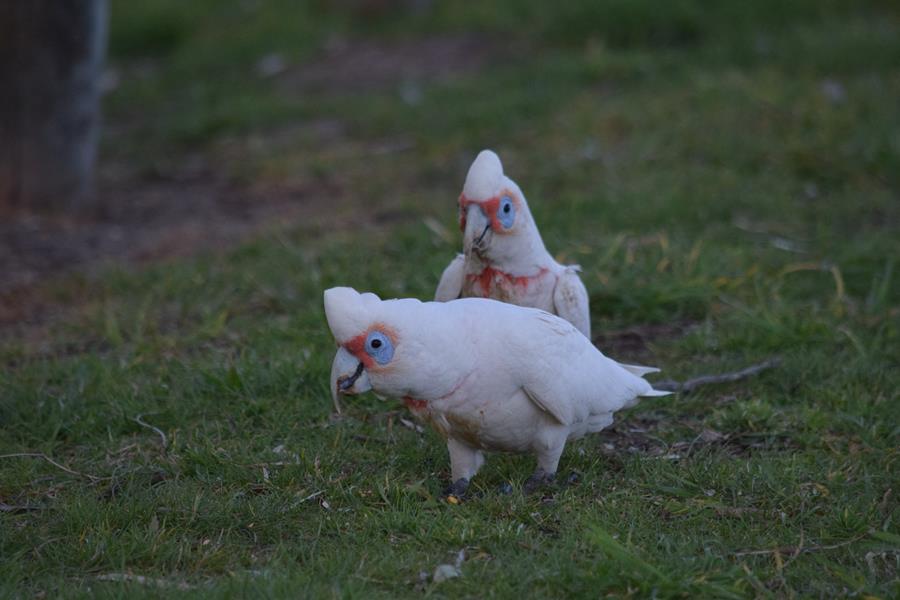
column 487, row 376
column 504, row 257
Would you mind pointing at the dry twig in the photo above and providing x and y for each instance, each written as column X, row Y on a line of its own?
column 143, row 580
column 795, row 550
column 670, row 385
column 13, row 508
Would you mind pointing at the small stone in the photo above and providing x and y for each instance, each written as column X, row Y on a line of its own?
column 271, row 65
column 411, row 93
column 711, row 435
column 445, row 572
column 834, row 91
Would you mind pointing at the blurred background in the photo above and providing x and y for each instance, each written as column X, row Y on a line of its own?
column 223, row 117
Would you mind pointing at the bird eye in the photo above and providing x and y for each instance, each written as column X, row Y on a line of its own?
column 507, row 213
column 379, row 347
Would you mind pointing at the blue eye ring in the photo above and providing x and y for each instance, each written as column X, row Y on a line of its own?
column 379, row 347
column 506, row 212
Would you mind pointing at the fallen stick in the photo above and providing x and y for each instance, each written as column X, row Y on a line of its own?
column 11, row 508
column 795, row 550
column 670, row 385
column 143, row 580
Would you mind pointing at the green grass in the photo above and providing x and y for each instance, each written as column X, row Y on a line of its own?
column 688, row 156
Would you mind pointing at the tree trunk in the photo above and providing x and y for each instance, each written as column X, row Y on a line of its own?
column 51, row 61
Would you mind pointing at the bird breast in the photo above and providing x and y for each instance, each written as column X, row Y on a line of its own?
column 493, row 421
column 534, row 290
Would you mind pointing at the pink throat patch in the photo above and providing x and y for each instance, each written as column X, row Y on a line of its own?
column 414, row 403
column 490, row 275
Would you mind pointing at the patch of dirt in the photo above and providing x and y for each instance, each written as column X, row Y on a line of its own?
column 365, row 65
column 149, row 218
column 194, row 207
column 639, row 434
column 634, row 342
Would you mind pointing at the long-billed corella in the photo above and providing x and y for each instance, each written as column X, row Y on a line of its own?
column 504, row 257
column 488, row 376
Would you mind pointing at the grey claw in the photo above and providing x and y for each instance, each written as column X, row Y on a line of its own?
column 457, row 491
column 537, row 480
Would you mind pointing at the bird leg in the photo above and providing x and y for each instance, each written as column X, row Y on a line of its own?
column 464, row 463
column 537, row 480
column 548, row 451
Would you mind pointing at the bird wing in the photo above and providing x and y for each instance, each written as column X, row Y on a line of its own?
column 573, row 380
column 556, row 382
column 451, row 284
column 570, row 300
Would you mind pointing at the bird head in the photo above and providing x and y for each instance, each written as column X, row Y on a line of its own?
column 384, row 346
column 493, row 215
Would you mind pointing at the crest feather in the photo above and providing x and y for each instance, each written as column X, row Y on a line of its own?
column 485, row 177
column 348, row 312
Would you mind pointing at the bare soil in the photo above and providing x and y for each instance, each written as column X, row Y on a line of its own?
column 635, row 342
column 197, row 208
column 366, row 65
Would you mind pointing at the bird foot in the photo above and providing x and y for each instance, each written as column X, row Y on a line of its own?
column 537, row 480
column 457, row 491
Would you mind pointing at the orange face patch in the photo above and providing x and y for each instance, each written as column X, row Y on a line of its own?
column 490, row 207
column 357, row 344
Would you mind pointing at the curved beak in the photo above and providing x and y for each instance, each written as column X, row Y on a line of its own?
column 478, row 225
column 348, row 377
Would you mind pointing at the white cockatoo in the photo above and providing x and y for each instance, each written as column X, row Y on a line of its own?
column 504, row 257
column 488, row 376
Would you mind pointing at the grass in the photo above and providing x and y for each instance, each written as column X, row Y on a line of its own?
column 730, row 168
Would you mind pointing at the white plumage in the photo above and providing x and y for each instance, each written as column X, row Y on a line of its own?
column 504, row 257
column 486, row 375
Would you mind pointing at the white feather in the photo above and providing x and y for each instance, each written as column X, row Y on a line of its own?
column 451, row 284
column 489, row 375
column 638, row 369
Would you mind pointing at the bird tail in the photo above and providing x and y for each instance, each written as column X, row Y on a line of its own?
column 638, row 369
column 653, row 392
column 650, row 393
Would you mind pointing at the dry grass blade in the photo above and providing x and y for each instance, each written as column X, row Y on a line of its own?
column 162, row 436
column 54, row 463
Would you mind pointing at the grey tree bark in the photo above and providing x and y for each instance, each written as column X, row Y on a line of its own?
column 51, row 62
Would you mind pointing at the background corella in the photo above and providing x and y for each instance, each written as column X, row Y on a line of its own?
column 504, row 257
